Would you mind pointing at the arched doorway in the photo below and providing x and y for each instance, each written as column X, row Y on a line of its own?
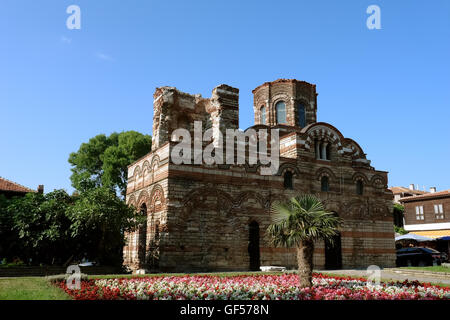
column 142, row 237
column 253, row 246
column 333, row 252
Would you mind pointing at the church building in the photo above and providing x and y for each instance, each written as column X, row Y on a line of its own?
column 213, row 217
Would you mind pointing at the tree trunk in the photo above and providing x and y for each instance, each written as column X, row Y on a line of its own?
column 305, row 263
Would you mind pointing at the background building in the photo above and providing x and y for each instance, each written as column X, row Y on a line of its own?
column 12, row 189
column 428, row 214
column 401, row 192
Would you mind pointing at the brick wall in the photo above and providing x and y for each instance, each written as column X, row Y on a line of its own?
column 289, row 91
column 198, row 216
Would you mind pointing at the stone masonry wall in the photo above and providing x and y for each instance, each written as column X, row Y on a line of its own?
column 198, row 216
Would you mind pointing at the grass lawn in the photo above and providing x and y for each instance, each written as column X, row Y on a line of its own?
column 432, row 269
column 30, row 288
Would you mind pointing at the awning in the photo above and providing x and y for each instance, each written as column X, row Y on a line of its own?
column 412, row 236
column 433, row 233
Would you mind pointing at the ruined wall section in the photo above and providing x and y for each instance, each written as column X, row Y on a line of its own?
column 174, row 109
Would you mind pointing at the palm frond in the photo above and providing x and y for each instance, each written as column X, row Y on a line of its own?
column 301, row 218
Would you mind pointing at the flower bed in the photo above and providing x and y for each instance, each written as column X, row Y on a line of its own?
column 243, row 287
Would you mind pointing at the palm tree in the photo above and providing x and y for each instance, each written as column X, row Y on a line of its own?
column 299, row 222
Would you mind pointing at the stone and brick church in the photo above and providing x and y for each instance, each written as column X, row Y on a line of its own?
column 214, row 217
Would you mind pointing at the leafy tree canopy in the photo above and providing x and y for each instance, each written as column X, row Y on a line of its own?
column 37, row 225
column 98, row 220
column 398, row 208
column 104, row 159
column 56, row 228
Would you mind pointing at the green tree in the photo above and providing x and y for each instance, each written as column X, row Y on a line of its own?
column 299, row 222
column 398, row 213
column 99, row 219
column 57, row 230
column 41, row 226
column 9, row 238
column 103, row 160
column 400, row 230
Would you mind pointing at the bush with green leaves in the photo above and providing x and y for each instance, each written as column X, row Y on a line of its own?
column 57, row 228
column 99, row 219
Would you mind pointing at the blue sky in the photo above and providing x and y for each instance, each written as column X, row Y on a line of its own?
column 387, row 89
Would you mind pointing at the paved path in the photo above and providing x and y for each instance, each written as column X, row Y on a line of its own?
column 396, row 274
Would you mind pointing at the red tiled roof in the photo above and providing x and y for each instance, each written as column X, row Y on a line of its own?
column 6, row 185
column 398, row 190
column 431, row 195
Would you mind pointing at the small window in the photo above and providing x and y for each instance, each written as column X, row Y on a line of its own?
column 323, row 150
column 324, row 184
column 262, row 115
column 281, row 112
column 288, row 183
column 301, row 115
column 439, row 211
column 419, row 213
column 359, row 187
column 328, row 152
column 317, row 147
column 143, row 209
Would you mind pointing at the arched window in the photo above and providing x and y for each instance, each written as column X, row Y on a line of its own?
column 301, row 115
column 359, row 187
column 317, row 148
column 281, row 112
column 324, row 184
column 323, row 150
column 288, row 183
column 328, row 152
column 262, row 115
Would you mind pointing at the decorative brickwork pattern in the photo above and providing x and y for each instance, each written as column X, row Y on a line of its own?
column 199, row 216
